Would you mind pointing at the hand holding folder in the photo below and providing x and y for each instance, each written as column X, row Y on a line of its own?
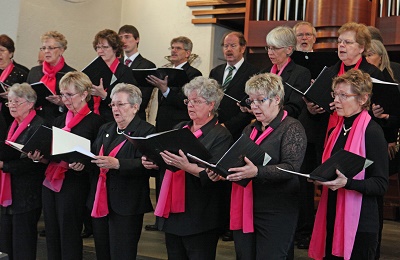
column 346, row 162
column 176, row 77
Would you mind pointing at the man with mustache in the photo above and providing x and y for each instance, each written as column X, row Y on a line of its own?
column 129, row 35
column 305, row 35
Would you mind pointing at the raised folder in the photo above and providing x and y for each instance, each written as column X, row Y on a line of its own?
column 172, row 141
column 387, row 95
column 42, row 91
column 234, row 157
column 320, row 91
column 346, row 162
column 98, row 69
column 176, row 77
column 40, row 140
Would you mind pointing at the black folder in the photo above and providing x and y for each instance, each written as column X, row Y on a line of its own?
column 42, row 91
column 234, row 157
column 387, row 95
column 315, row 61
column 172, row 141
column 346, row 162
column 40, row 140
column 7, row 153
column 176, row 77
column 320, row 91
column 3, row 87
column 98, row 69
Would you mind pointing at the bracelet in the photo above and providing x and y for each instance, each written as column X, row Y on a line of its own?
column 35, row 161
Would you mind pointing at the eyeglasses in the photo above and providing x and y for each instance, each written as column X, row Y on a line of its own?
column 16, row 103
column 342, row 96
column 307, row 35
column 67, row 95
column 226, row 46
column 119, row 105
column 256, row 101
column 175, row 48
column 3, row 50
column 194, row 102
column 344, row 42
column 272, row 48
column 103, row 47
column 50, row 48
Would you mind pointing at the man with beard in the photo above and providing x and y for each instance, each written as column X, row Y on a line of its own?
column 129, row 35
column 305, row 35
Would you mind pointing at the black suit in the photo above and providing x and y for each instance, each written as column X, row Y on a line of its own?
column 141, row 63
column 229, row 113
column 117, row 235
column 63, row 211
column 18, row 231
column 172, row 110
column 123, row 75
column 49, row 111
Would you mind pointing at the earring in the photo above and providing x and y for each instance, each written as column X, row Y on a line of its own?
column 209, row 113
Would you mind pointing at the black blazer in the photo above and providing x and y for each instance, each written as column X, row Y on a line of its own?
column 203, row 197
column 26, row 176
column 128, row 187
column 123, row 75
column 172, row 110
column 141, row 63
column 229, row 113
column 300, row 78
column 49, row 111
column 17, row 75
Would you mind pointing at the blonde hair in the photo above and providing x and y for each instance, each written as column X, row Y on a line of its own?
column 58, row 37
column 267, row 84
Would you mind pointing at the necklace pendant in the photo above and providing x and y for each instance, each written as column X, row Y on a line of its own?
column 345, row 133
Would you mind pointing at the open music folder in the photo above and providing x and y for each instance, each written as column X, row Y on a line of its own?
column 42, row 91
column 172, row 141
column 346, row 162
column 176, row 77
column 98, row 69
column 234, row 157
column 320, row 91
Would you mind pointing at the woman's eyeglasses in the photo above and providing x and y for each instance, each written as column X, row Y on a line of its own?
column 256, row 101
column 342, row 96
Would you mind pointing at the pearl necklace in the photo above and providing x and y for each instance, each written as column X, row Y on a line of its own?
column 118, row 132
column 346, row 130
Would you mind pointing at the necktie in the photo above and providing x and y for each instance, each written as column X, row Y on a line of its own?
column 228, row 78
column 127, row 62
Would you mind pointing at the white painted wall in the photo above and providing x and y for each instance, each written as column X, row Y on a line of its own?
column 9, row 14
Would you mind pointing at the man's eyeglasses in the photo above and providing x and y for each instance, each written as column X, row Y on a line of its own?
column 50, row 48
column 67, row 95
column 175, row 48
column 119, row 105
column 194, row 102
column 342, row 96
column 301, row 35
column 272, row 48
column 256, row 102
column 344, row 42
column 226, row 46
column 15, row 103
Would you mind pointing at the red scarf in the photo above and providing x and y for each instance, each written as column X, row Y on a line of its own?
column 5, row 178
column 348, row 205
column 274, row 68
column 96, row 99
column 242, row 197
column 100, row 205
column 55, row 172
column 172, row 192
column 49, row 77
column 334, row 118
column 6, row 72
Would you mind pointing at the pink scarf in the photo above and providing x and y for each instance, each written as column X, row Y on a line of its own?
column 96, row 99
column 348, row 205
column 274, row 68
column 6, row 72
column 334, row 118
column 100, row 205
column 242, row 197
column 49, row 77
column 5, row 178
column 172, row 192
column 55, row 172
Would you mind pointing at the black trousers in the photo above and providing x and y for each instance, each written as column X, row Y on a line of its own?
column 18, row 234
column 272, row 237
column 116, row 237
column 202, row 246
column 63, row 213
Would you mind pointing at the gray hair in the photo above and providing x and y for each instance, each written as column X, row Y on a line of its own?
column 282, row 37
column 314, row 31
column 207, row 88
column 23, row 90
column 135, row 95
column 267, row 84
